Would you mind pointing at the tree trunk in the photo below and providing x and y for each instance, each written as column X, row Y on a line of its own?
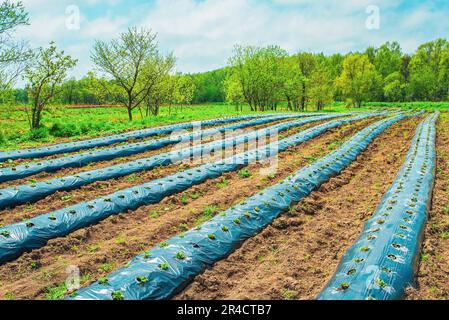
column 130, row 113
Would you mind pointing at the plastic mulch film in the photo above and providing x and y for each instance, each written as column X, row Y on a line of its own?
column 105, row 141
column 382, row 262
column 16, row 195
column 167, row 268
column 35, row 233
column 82, row 159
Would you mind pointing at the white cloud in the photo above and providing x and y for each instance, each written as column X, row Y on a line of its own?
column 202, row 33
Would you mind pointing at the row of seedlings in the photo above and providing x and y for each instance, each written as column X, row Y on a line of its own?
column 164, row 270
column 83, row 159
column 35, row 233
column 382, row 262
column 13, row 196
column 109, row 140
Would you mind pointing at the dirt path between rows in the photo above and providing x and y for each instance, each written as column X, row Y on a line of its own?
column 295, row 256
column 102, row 248
column 433, row 274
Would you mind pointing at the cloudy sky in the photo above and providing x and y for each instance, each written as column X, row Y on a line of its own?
column 202, row 33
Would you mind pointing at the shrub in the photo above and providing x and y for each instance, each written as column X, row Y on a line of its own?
column 41, row 133
column 65, row 130
column 2, row 138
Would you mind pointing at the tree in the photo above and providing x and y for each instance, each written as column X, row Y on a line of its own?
column 161, row 87
column 127, row 61
column 258, row 71
column 210, row 86
column 307, row 65
column 388, row 59
column 429, row 71
column 13, row 54
column 185, row 89
column 234, row 92
column 292, row 87
column 357, row 79
column 46, row 70
column 395, row 87
column 321, row 86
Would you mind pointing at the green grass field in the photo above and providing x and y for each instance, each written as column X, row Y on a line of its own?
column 63, row 124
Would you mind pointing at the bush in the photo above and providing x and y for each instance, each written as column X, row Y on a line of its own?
column 2, row 138
column 65, row 130
column 38, row 134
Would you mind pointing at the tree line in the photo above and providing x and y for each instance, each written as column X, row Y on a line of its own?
column 132, row 72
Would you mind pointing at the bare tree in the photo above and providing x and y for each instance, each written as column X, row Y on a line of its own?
column 127, row 61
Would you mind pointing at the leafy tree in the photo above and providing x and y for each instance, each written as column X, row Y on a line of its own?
column 429, row 71
column 13, row 54
column 395, row 87
column 209, row 86
column 321, row 86
column 185, row 89
column 388, row 59
column 357, row 79
column 234, row 92
column 162, row 86
column 258, row 72
column 46, row 70
column 307, row 64
column 292, row 87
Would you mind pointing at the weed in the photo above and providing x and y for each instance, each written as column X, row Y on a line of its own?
column 154, row 215
column 223, row 184
column 34, row 265
column 288, row 295
column 184, row 200
column 67, row 197
column 195, row 196
column 121, row 240
column 106, row 268
column 425, row 257
column 56, row 293
column 245, row 174
column 9, row 296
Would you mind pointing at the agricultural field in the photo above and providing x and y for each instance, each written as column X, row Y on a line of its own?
column 223, row 159
column 306, row 213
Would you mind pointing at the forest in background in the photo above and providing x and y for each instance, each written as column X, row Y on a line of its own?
column 383, row 74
